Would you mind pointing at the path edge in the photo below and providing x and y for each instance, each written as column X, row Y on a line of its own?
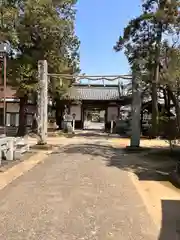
column 150, row 209
column 21, row 168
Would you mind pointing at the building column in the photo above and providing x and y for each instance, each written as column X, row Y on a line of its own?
column 17, row 120
column 7, row 119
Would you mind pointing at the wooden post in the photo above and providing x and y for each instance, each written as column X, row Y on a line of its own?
column 42, row 101
column 136, row 112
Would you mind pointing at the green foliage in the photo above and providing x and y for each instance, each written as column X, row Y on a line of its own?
column 37, row 30
column 142, row 39
column 143, row 46
column 140, row 36
column 170, row 65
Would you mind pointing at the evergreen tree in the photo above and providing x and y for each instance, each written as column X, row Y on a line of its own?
column 37, row 30
column 142, row 40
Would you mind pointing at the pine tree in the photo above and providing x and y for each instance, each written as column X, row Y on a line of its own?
column 142, row 39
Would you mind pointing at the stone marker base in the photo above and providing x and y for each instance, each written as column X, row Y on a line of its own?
column 174, row 178
column 42, row 147
column 66, row 135
column 20, row 150
column 135, row 149
column 53, row 134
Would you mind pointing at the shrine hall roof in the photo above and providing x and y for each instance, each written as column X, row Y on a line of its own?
column 93, row 92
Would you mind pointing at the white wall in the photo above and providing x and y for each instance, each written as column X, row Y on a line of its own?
column 112, row 111
column 12, row 107
column 102, row 113
column 8, row 119
column 77, row 110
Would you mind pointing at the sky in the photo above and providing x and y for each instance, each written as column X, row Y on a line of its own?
column 99, row 23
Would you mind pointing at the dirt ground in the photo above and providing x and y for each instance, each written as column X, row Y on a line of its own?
column 75, row 193
column 149, row 171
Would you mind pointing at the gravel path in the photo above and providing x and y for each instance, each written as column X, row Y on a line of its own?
column 75, row 195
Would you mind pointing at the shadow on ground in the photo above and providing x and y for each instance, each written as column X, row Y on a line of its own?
column 147, row 165
column 90, row 133
column 170, row 225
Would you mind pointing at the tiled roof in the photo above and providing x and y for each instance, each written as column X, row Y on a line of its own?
column 80, row 92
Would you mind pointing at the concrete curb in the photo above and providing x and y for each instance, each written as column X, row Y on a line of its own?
column 151, row 209
column 152, row 193
column 18, row 170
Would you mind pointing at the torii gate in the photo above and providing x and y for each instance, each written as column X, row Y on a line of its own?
column 43, row 100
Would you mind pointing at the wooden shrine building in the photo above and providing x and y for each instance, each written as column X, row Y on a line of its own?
column 82, row 97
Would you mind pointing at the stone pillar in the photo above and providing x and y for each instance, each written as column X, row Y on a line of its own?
column 112, row 126
column 74, row 119
column 42, row 101
column 10, row 149
column 136, row 112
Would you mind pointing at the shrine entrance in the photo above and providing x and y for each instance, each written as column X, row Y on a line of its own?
column 94, row 118
column 94, row 106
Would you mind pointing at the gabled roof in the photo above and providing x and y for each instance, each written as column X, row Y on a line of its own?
column 93, row 92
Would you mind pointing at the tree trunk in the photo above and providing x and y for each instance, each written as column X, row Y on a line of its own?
column 136, row 111
column 58, row 114
column 22, row 116
column 165, row 95
column 155, row 112
column 168, row 101
column 155, row 121
column 155, row 80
